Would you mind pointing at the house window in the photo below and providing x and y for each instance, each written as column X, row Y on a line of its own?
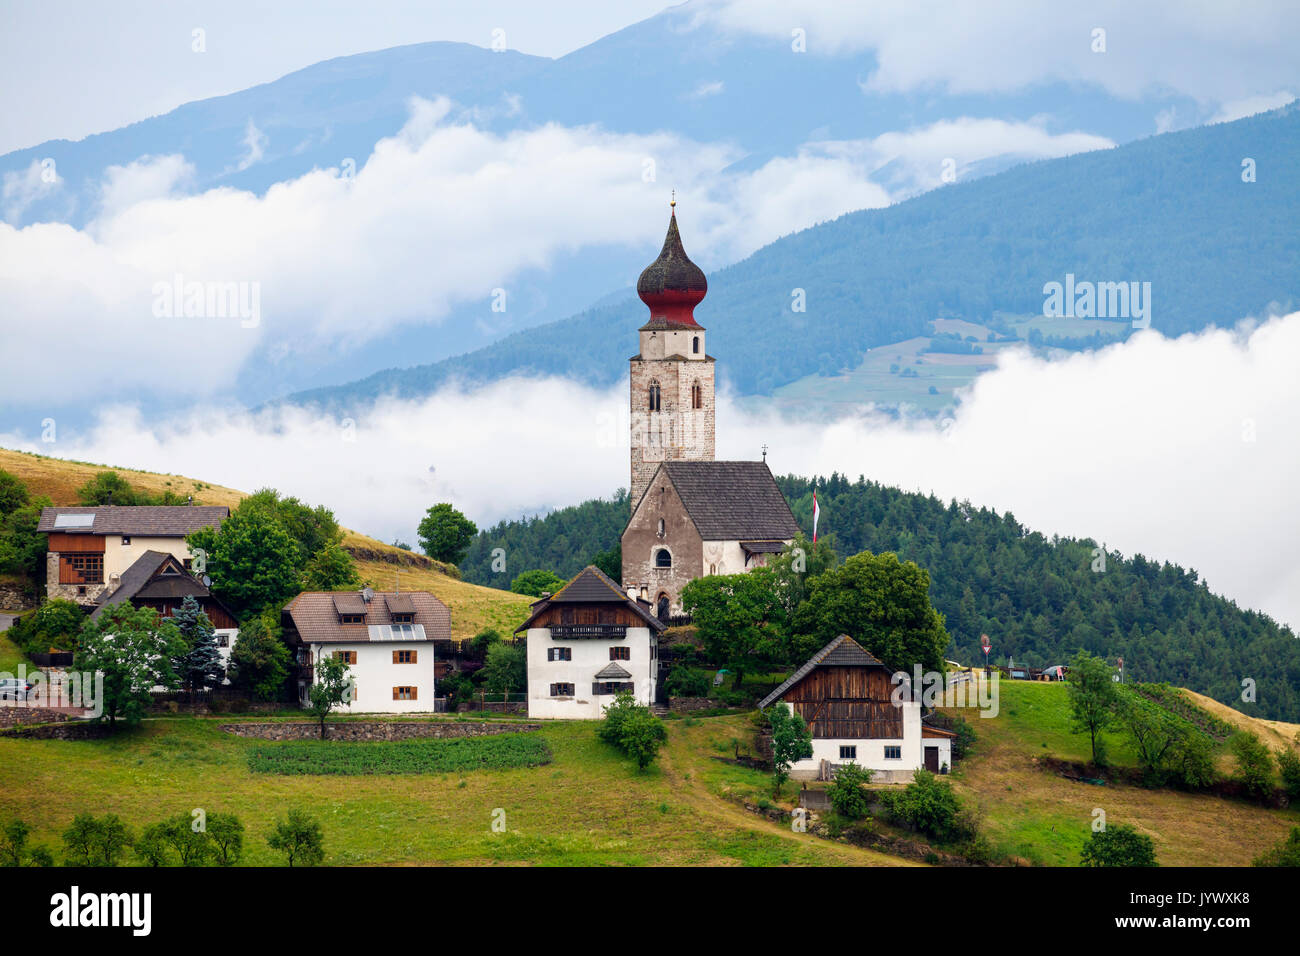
column 347, row 657
column 893, row 753
column 561, row 690
column 405, row 657
column 663, row 559
column 404, row 618
column 655, row 397
column 81, row 569
column 849, row 753
column 352, row 619
column 126, row 541
column 620, row 653
column 559, row 653
column 605, row 688
column 223, row 640
column 405, row 693
column 695, row 345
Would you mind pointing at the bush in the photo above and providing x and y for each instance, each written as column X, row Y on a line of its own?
column 1254, row 764
column 1286, row 853
column 848, row 793
column 299, row 837
column 13, row 845
column 964, row 742
column 1288, row 762
column 631, row 727
column 930, row 806
column 684, row 681
column 92, row 841
column 1119, row 845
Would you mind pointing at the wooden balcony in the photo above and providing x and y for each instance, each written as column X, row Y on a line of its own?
column 572, row 632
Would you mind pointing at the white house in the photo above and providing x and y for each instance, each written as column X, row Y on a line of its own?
column 587, row 643
column 387, row 640
column 846, row 696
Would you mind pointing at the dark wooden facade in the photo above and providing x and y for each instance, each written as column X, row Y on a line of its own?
column 847, row 703
column 614, row 614
column 217, row 614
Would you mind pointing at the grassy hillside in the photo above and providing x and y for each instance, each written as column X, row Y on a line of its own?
column 1045, row 818
column 590, row 806
column 472, row 607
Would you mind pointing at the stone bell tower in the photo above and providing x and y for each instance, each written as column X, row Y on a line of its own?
column 672, row 375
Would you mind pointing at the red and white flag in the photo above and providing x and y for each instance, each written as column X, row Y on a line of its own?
column 817, row 511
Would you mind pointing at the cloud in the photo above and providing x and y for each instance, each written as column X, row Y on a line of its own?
column 705, row 90
column 917, row 157
column 149, row 177
column 439, row 215
column 21, row 189
column 1181, row 449
column 1249, row 106
column 1211, row 52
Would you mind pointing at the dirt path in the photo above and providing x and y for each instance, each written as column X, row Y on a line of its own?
column 679, row 760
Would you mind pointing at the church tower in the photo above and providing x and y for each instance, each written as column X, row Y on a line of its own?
column 672, row 375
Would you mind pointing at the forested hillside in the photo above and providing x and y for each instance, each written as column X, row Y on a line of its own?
column 1037, row 598
column 880, row 276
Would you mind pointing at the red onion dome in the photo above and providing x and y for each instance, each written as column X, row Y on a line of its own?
column 672, row 286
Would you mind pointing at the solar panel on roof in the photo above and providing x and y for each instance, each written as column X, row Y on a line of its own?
column 74, row 521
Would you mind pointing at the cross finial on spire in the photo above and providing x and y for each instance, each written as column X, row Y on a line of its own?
column 765, row 451
column 673, row 203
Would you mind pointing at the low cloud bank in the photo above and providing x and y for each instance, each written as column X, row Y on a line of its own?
column 1182, row 449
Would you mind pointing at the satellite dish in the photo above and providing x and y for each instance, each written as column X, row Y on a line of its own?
column 207, row 581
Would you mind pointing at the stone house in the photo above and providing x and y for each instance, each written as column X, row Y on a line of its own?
column 91, row 548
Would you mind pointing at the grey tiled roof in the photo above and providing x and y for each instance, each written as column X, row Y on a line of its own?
column 844, row 651
column 732, row 500
column 164, row 521
column 612, row 671
column 155, row 575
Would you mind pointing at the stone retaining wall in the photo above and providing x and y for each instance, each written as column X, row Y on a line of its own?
column 68, row 730
column 373, row 730
column 686, row 705
column 12, row 716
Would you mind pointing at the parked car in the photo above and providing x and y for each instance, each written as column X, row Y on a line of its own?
column 11, row 688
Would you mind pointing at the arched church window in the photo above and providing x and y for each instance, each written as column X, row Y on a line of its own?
column 654, row 397
column 697, row 396
column 663, row 559
column 661, row 610
column 661, row 527
column 695, row 345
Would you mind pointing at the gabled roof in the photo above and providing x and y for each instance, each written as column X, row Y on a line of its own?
column 155, row 576
column 612, row 671
column 844, row 651
column 732, row 500
column 399, row 603
column 591, row 586
column 162, row 521
column 314, row 615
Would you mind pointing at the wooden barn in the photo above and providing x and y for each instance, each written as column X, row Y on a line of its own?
column 846, row 696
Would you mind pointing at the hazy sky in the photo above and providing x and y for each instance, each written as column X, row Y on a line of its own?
column 69, row 68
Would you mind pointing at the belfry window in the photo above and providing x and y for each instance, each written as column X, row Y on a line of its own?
column 695, row 345
column 663, row 559
column 654, row 397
